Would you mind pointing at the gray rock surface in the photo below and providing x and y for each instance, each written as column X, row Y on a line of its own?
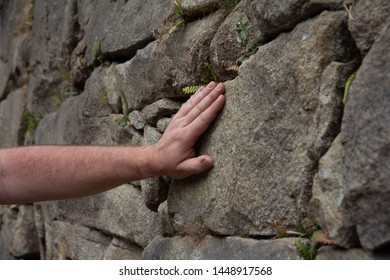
column 96, row 69
column 365, row 137
column 18, row 238
column 196, row 8
column 137, row 119
column 135, row 76
column 252, row 24
column 275, row 126
column 121, row 250
column 111, row 212
column 160, row 109
column 367, row 21
column 54, row 36
column 327, row 204
column 120, row 27
column 76, row 242
column 334, row 253
column 213, row 248
column 15, row 34
column 11, row 118
column 187, row 50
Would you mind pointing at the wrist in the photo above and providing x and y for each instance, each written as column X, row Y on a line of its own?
column 150, row 165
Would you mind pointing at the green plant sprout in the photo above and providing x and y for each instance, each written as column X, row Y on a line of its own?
column 348, row 84
column 251, row 50
column 32, row 120
column 308, row 249
column 242, row 32
column 312, row 237
column 182, row 21
column 191, row 89
column 213, row 77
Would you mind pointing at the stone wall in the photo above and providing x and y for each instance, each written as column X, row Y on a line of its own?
column 300, row 145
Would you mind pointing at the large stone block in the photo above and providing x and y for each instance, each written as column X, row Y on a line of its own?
column 135, row 77
column 365, row 136
column 251, row 24
column 122, row 250
column 18, row 238
column 75, row 242
column 367, row 21
column 11, row 118
column 120, row 27
column 228, row 248
column 89, row 118
column 278, row 120
column 120, row 212
column 55, row 35
column 15, row 31
column 187, row 50
column 327, row 204
column 334, row 253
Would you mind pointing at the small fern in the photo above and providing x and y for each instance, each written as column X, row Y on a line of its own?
column 305, row 249
column 191, row 89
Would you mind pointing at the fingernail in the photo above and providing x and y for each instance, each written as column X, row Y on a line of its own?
column 211, row 85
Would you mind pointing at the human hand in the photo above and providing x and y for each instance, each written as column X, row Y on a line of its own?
column 174, row 153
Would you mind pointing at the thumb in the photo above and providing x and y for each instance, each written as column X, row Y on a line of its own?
column 195, row 165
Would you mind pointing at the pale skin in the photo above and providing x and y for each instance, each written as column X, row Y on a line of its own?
column 41, row 173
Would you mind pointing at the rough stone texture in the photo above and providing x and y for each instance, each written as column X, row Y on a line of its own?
column 160, row 109
column 162, row 124
column 15, row 34
column 154, row 190
column 277, row 130
column 278, row 121
column 122, row 250
column 76, row 242
column 94, row 119
column 187, row 50
column 196, row 8
column 134, row 77
column 111, row 212
column 137, row 119
column 11, row 121
column 263, row 20
column 328, row 205
column 55, row 34
column 213, row 248
column 121, row 27
column 365, row 137
column 18, row 238
column 334, row 253
column 368, row 20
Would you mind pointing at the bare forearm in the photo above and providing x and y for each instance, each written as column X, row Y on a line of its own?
column 56, row 172
column 40, row 173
